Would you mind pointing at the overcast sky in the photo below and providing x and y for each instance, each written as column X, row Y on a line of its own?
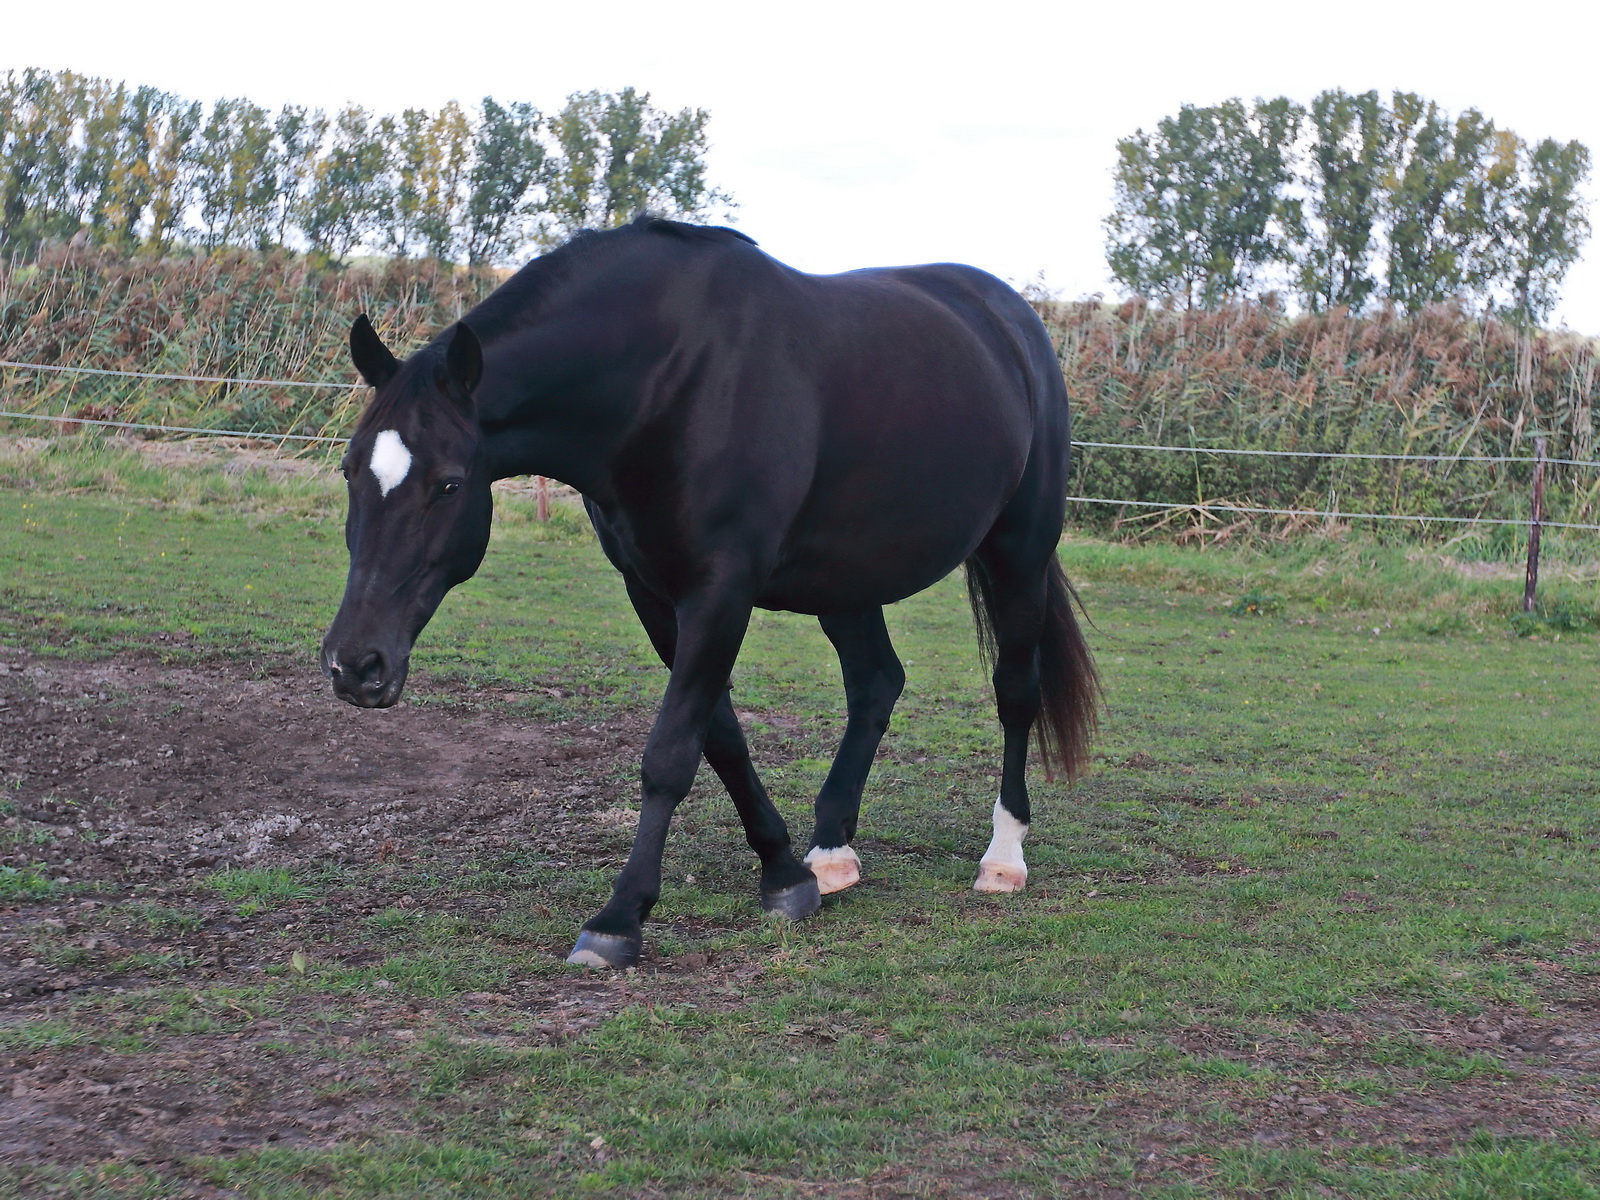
column 860, row 134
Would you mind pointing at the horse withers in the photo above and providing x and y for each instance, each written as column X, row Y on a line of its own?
column 743, row 434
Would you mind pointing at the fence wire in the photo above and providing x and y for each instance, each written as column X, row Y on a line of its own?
column 22, row 366
column 1202, row 508
column 245, row 433
column 1438, row 458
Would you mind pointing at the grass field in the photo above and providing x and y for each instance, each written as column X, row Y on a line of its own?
column 1322, row 921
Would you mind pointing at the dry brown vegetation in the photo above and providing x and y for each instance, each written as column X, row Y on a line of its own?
column 235, row 314
column 1443, row 382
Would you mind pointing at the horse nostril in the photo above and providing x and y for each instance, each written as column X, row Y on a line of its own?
column 369, row 670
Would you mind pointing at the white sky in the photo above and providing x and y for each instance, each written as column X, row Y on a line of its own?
column 868, row 133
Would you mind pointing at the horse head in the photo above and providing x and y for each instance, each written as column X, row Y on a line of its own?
column 419, row 513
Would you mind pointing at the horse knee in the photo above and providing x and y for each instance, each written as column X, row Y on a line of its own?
column 667, row 773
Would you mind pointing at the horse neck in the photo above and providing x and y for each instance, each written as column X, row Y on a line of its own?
column 544, row 410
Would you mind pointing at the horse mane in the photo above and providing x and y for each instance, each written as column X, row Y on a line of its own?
column 521, row 299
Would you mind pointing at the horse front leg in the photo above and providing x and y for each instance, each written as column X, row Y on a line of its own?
column 787, row 887
column 709, row 635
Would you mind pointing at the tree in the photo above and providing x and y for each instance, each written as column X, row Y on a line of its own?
column 410, row 160
column 128, row 188
column 618, row 155
column 1344, row 186
column 1201, row 204
column 298, row 135
column 1548, row 224
column 236, row 175
column 348, row 194
column 444, row 180
column 102, row 122
column 172, row 178
column 35, row 182
column 508, row 163
column 1444, row 196
column 142, row 169
column 1401, row 200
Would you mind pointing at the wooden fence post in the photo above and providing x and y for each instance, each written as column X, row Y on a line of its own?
column 543, row 489
column 1532, row 584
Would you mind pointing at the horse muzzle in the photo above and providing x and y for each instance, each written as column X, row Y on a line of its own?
column 365, row 677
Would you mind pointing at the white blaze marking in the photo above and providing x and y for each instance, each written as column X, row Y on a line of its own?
column 1005, row 848
column 390, row 460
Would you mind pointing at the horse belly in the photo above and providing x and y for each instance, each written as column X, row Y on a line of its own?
column 858, row 547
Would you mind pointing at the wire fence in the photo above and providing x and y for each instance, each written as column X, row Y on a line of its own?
column 1201, row 508
column 22, row 366
column 244, row 433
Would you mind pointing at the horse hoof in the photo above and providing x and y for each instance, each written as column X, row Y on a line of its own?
column 605, row 950
column 1000, row 877
column 796, row 902
column 835, row 869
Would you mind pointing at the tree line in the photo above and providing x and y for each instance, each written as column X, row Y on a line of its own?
column 140, row 169
column 1346, row 202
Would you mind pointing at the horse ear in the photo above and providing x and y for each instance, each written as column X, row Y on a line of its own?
column 370, row 355
column 464, row 358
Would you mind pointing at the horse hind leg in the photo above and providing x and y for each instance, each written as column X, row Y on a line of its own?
column 873, row 679
column 1044, row 683
column 1010, row 608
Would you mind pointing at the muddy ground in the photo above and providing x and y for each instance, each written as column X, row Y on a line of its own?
column 144, row 780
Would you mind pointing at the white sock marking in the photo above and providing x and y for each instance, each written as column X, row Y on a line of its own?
column 1006, row 845
column 390, row 460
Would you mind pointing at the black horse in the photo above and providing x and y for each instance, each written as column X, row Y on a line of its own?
column 743, row 434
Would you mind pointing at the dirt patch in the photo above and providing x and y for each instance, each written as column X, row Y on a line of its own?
column 314, row 1071
column 133, row 1020
column 129, row 770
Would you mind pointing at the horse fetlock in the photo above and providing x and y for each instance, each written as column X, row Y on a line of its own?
column 782, row 870
column 836, row 868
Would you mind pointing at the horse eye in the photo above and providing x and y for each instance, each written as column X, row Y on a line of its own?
column 450, row 489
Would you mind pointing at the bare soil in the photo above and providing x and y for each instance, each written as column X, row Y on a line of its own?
column 143, row 779
column 175, row 771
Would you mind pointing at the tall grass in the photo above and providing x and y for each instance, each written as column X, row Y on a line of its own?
column 1248, row 376
column 236, row 314
column 1442, row 382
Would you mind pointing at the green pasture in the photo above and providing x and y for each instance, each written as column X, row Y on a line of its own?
column 1341, row 798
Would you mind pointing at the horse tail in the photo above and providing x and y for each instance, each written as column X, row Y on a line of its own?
column 1069, row 685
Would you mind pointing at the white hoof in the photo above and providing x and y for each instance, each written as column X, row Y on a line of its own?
column 835, row 869
column 1000, row 877
column 1002, row 869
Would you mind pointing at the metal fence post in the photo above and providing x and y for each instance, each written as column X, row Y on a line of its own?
column 1532, row 584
